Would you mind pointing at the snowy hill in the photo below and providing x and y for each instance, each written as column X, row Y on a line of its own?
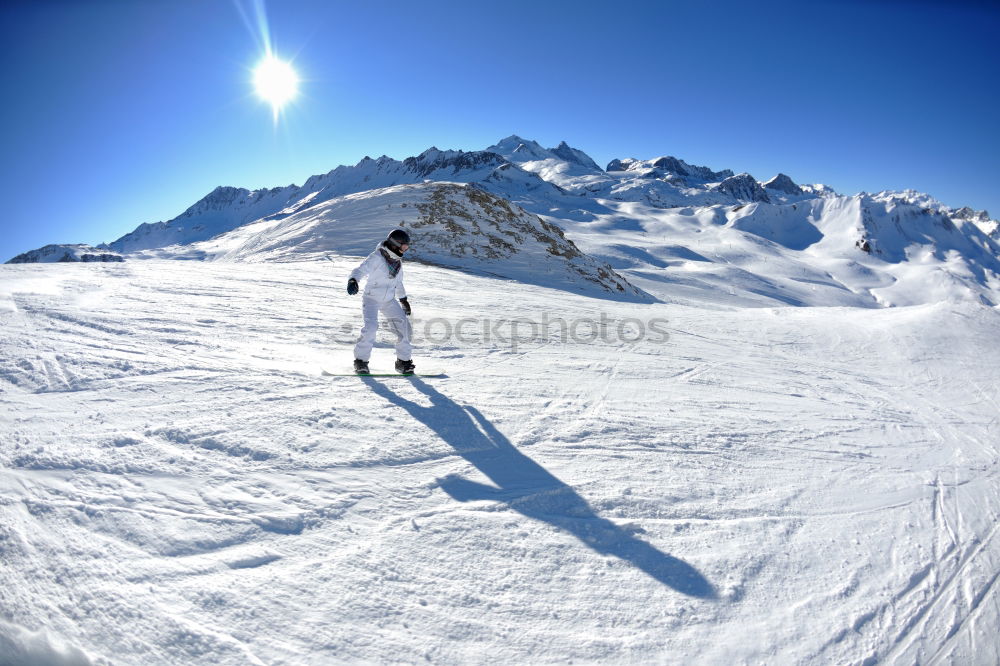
column 594, row 481
column 457, row 226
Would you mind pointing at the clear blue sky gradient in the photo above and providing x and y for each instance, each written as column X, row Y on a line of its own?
column 116, row 113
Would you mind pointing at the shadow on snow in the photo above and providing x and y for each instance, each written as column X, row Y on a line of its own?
column 525, row 486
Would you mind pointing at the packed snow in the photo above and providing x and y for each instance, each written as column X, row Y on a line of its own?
column 635, row 483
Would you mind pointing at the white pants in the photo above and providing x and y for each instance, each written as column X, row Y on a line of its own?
column 398, row 322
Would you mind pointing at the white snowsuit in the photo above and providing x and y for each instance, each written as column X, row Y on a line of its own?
column 381, row 293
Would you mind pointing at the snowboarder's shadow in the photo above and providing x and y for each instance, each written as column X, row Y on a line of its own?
column 525, row 486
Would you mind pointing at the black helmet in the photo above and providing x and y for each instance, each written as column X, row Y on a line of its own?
column 397, row 238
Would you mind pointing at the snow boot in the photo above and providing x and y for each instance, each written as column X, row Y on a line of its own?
column 404, row 367
column 361, row 367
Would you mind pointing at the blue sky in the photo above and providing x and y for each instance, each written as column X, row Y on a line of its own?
column 117, row 113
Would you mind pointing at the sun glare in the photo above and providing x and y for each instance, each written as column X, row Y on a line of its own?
column 275, row 82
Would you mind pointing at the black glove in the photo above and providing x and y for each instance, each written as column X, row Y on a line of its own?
column 352, row 287
column 406, row 306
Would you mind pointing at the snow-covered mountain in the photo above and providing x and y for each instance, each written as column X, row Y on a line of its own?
column 555, row 165
column 227, row 208
column 661, row 167
column 671, row 228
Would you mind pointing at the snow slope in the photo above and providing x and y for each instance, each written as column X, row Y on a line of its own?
column 800, row 254
column 712, row 484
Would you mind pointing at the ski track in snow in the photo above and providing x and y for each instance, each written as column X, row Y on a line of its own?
column 179, row 484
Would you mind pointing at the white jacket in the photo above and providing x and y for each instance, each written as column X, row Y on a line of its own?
column 381, row 286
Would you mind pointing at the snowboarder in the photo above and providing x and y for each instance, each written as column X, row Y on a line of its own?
column 384, row 270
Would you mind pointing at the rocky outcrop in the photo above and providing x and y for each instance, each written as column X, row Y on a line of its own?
column 466, row 226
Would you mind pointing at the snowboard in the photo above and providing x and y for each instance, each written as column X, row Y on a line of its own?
column 333, row 373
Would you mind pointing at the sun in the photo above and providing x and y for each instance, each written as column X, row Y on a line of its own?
column 275, row 82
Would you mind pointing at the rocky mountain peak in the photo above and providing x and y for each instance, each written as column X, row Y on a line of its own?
column 221, row 197
column 783, row 183
column 566, row 152
column 620, row 164
column 967, row 213
column 519, row 149
column 669, row 164
column 453, row 161
column 744, row 187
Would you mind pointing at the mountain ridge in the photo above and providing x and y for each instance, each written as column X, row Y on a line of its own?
column 767, row 236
